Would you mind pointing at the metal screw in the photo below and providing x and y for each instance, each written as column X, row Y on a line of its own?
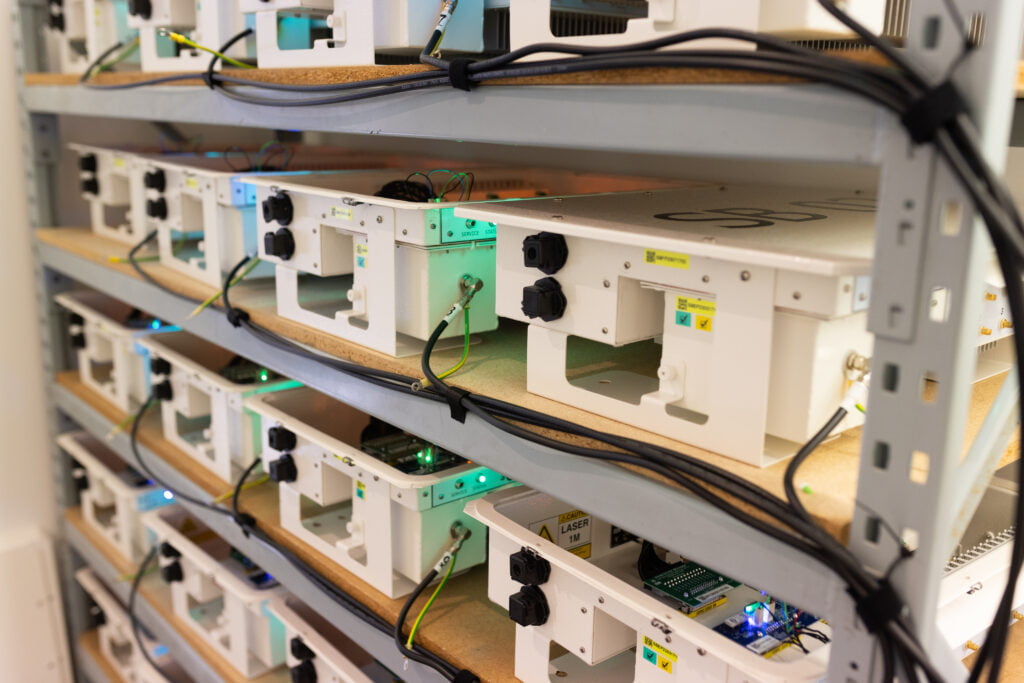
column 601, row 600
column 470, row 223
column 433, row 226
column 405, row 232
column 846, row 289
column 450, row 233
column 560, row 674
column 627, row 265
column 797, row 295
column 701, row 651
column 380, row 219
column 604, row 330
column 362, row 222
column 607, row 284
column 583, row 610
column 583, row 650
column 745, row 275
column 323, row 215
column 706, row 279
column 668, row 638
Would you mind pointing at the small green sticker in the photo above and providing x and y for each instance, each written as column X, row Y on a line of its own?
column 684, row 319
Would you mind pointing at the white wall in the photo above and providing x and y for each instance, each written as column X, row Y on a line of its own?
column 27, row 608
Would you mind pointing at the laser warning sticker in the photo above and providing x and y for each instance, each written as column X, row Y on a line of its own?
column 671, row 259
column 570, row 530
column 362, row 251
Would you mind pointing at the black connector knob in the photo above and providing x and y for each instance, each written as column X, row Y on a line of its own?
column 78, row 341
column 169, row 551
column 172, row 572
column 529, row 607
column 544, row 299
column 57, row 22
column 156, row 208
column 140, row 8
column 155, row 180
column 76, row 319
column 278, row 207
column 159, row 366
column 300, row 650
column 546, row 251
column 283, row 469
column 162, row 391
column 280, row 244
column 88, row 163
column 528, row 568
column 281, row 439
column 304, row 672
column 90, row 186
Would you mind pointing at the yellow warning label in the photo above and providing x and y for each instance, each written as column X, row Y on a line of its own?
column 343, row 212
column 192, row 182
column 703, row 307
column 704, row 323
column 545, row 533
column 660, row 649
column 710, row 606
column 570, row 516
column 665, row 664
column 581, row 551
column 667, row 258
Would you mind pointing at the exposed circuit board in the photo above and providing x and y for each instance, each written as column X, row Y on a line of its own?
column 690, row 586
column 409, row 454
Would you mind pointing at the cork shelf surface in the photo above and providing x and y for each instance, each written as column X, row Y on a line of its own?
column 154, row 591
column 463, row 626
column 497, row 367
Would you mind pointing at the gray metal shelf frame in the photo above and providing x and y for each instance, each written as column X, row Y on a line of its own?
column 916, row 253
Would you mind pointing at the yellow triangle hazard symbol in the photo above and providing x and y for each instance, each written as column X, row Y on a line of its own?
column 545, row 533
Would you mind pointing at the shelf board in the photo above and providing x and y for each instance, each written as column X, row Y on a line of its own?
column 91, row 663
column 198, row 659
column 743, row 118
column 456, row 627
column 710, row 537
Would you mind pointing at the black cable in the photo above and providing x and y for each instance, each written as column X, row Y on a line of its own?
column 133, row 595
column 404, row 613
column 137, row 452
column 801, row 456
column 133, row 255
column 223, row 51
column 99, row 60
column 248, row 520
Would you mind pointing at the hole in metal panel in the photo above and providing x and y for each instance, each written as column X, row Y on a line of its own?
column 881, row 457
column 891, row 377
column 938, row 305
column 920, row 462
column 932, row 32
column 873, row 529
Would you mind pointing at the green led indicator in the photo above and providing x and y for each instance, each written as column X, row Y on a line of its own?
column 264, row 375
column 482, row 478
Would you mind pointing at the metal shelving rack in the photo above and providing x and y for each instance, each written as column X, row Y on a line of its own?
column 917, row 251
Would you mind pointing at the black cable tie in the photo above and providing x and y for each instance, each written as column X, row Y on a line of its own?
column 458, row 74
column 880, row 607
column 236, row 316
column 466, row 676
column 454, row 396
column 932, row 111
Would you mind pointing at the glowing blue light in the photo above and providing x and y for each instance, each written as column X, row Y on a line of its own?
column 160, row 650
column 749, row 609
column 155, row 325
column 168, row 495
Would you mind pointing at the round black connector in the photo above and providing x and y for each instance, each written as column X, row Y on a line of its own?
column 528, row 568
column 304, row 672
column 159, row 366
column 544, row 299
column 300, row 650
column 283, row 469
column 546, row 251
column 281, row 439
column 90, row 186
column 88, row 163
column 280, row 244
column 278, row 207
column 169, row 551
column 140, row 8
column 78, row 341
column 529, row 607
column 162, row 391
column 157, row 208
column 155, row 180
column 172, row 572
